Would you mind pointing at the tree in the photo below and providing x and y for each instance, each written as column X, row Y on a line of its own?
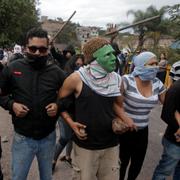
column 154, row 28
column 17, row 17
column 174, row 24
column 139, row 15
column 68, row 35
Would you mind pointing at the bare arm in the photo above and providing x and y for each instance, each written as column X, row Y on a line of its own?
column 177, row 134
column 69, row 86
column 170, row 82
column 119, row 110
column 162, row 97
column 72, row 85
column 177, row 116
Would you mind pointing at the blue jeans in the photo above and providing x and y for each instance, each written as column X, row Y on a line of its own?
column 24, row 150
column 65, row 137
column 177, row 172
column 169, row 162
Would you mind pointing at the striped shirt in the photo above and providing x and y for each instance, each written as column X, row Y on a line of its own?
column 136, row 105
column 175, row 71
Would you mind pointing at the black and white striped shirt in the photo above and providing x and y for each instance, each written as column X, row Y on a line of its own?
column 175, row 71
column 136, row 105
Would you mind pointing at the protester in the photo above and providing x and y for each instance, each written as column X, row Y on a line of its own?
column 162, row 67
column 1, row 66
column 1, row 174
column 137, row 52
column 170, row 160
column 3, row 57
column 32, row 87
column 17, row 53
column 62, row 58
column 1, row 54
column 174, row 74
column 119, row 61
column 97, row 102
column 65, row 131
column 141, row 91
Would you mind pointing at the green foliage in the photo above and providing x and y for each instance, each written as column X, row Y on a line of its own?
column 156, row 27
column 174, row 20
column 174, row 12
column 17, row 17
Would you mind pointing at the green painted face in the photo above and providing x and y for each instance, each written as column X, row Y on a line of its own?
column 105, row 57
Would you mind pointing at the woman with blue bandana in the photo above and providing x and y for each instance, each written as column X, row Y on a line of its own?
column 141, row 90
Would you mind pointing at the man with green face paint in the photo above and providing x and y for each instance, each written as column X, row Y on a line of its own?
column 105, row 57
column 98, row 101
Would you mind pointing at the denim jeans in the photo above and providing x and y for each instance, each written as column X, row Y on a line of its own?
column 177, row 172
column 65, row 137
column 24, row 150
column 168, row 163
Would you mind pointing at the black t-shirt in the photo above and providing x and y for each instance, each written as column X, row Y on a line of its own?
column 171, row 104
column 96, row 112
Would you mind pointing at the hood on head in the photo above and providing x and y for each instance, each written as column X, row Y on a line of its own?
column 70, row 49
column 143, row 58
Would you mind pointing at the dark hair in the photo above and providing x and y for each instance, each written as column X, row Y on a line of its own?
column 36, row 32
column 164, row 55
column 70, row 49
column 116, row 48
column 71, row 64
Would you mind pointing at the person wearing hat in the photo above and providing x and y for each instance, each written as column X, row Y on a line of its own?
column 97, row 102
column 141, row 90
column 170, row 160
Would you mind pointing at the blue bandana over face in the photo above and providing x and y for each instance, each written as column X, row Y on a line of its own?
column 145, row 73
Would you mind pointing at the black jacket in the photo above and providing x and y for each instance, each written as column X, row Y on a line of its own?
column 171, row 104
column 35, row 89
column 15, row 57
column 61, row 58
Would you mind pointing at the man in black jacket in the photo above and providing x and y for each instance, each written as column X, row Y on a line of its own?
column 32, row 87
column 170, row 159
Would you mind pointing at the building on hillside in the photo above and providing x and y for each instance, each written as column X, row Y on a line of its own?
column 86, row 32
column 132, row 41
column 166, row 41
column 51, row 26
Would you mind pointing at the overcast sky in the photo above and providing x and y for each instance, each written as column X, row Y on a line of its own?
column 97, row 12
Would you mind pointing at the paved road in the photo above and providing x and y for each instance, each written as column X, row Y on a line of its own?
column 63, row 172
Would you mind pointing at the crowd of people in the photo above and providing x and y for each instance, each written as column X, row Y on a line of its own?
column 102, row 112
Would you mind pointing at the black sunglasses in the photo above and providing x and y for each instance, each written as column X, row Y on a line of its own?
column 41, row 49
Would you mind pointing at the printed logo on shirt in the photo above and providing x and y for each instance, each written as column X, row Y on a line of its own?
column 17, row 73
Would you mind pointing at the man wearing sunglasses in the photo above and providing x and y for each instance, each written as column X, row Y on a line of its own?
column 31, row 86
